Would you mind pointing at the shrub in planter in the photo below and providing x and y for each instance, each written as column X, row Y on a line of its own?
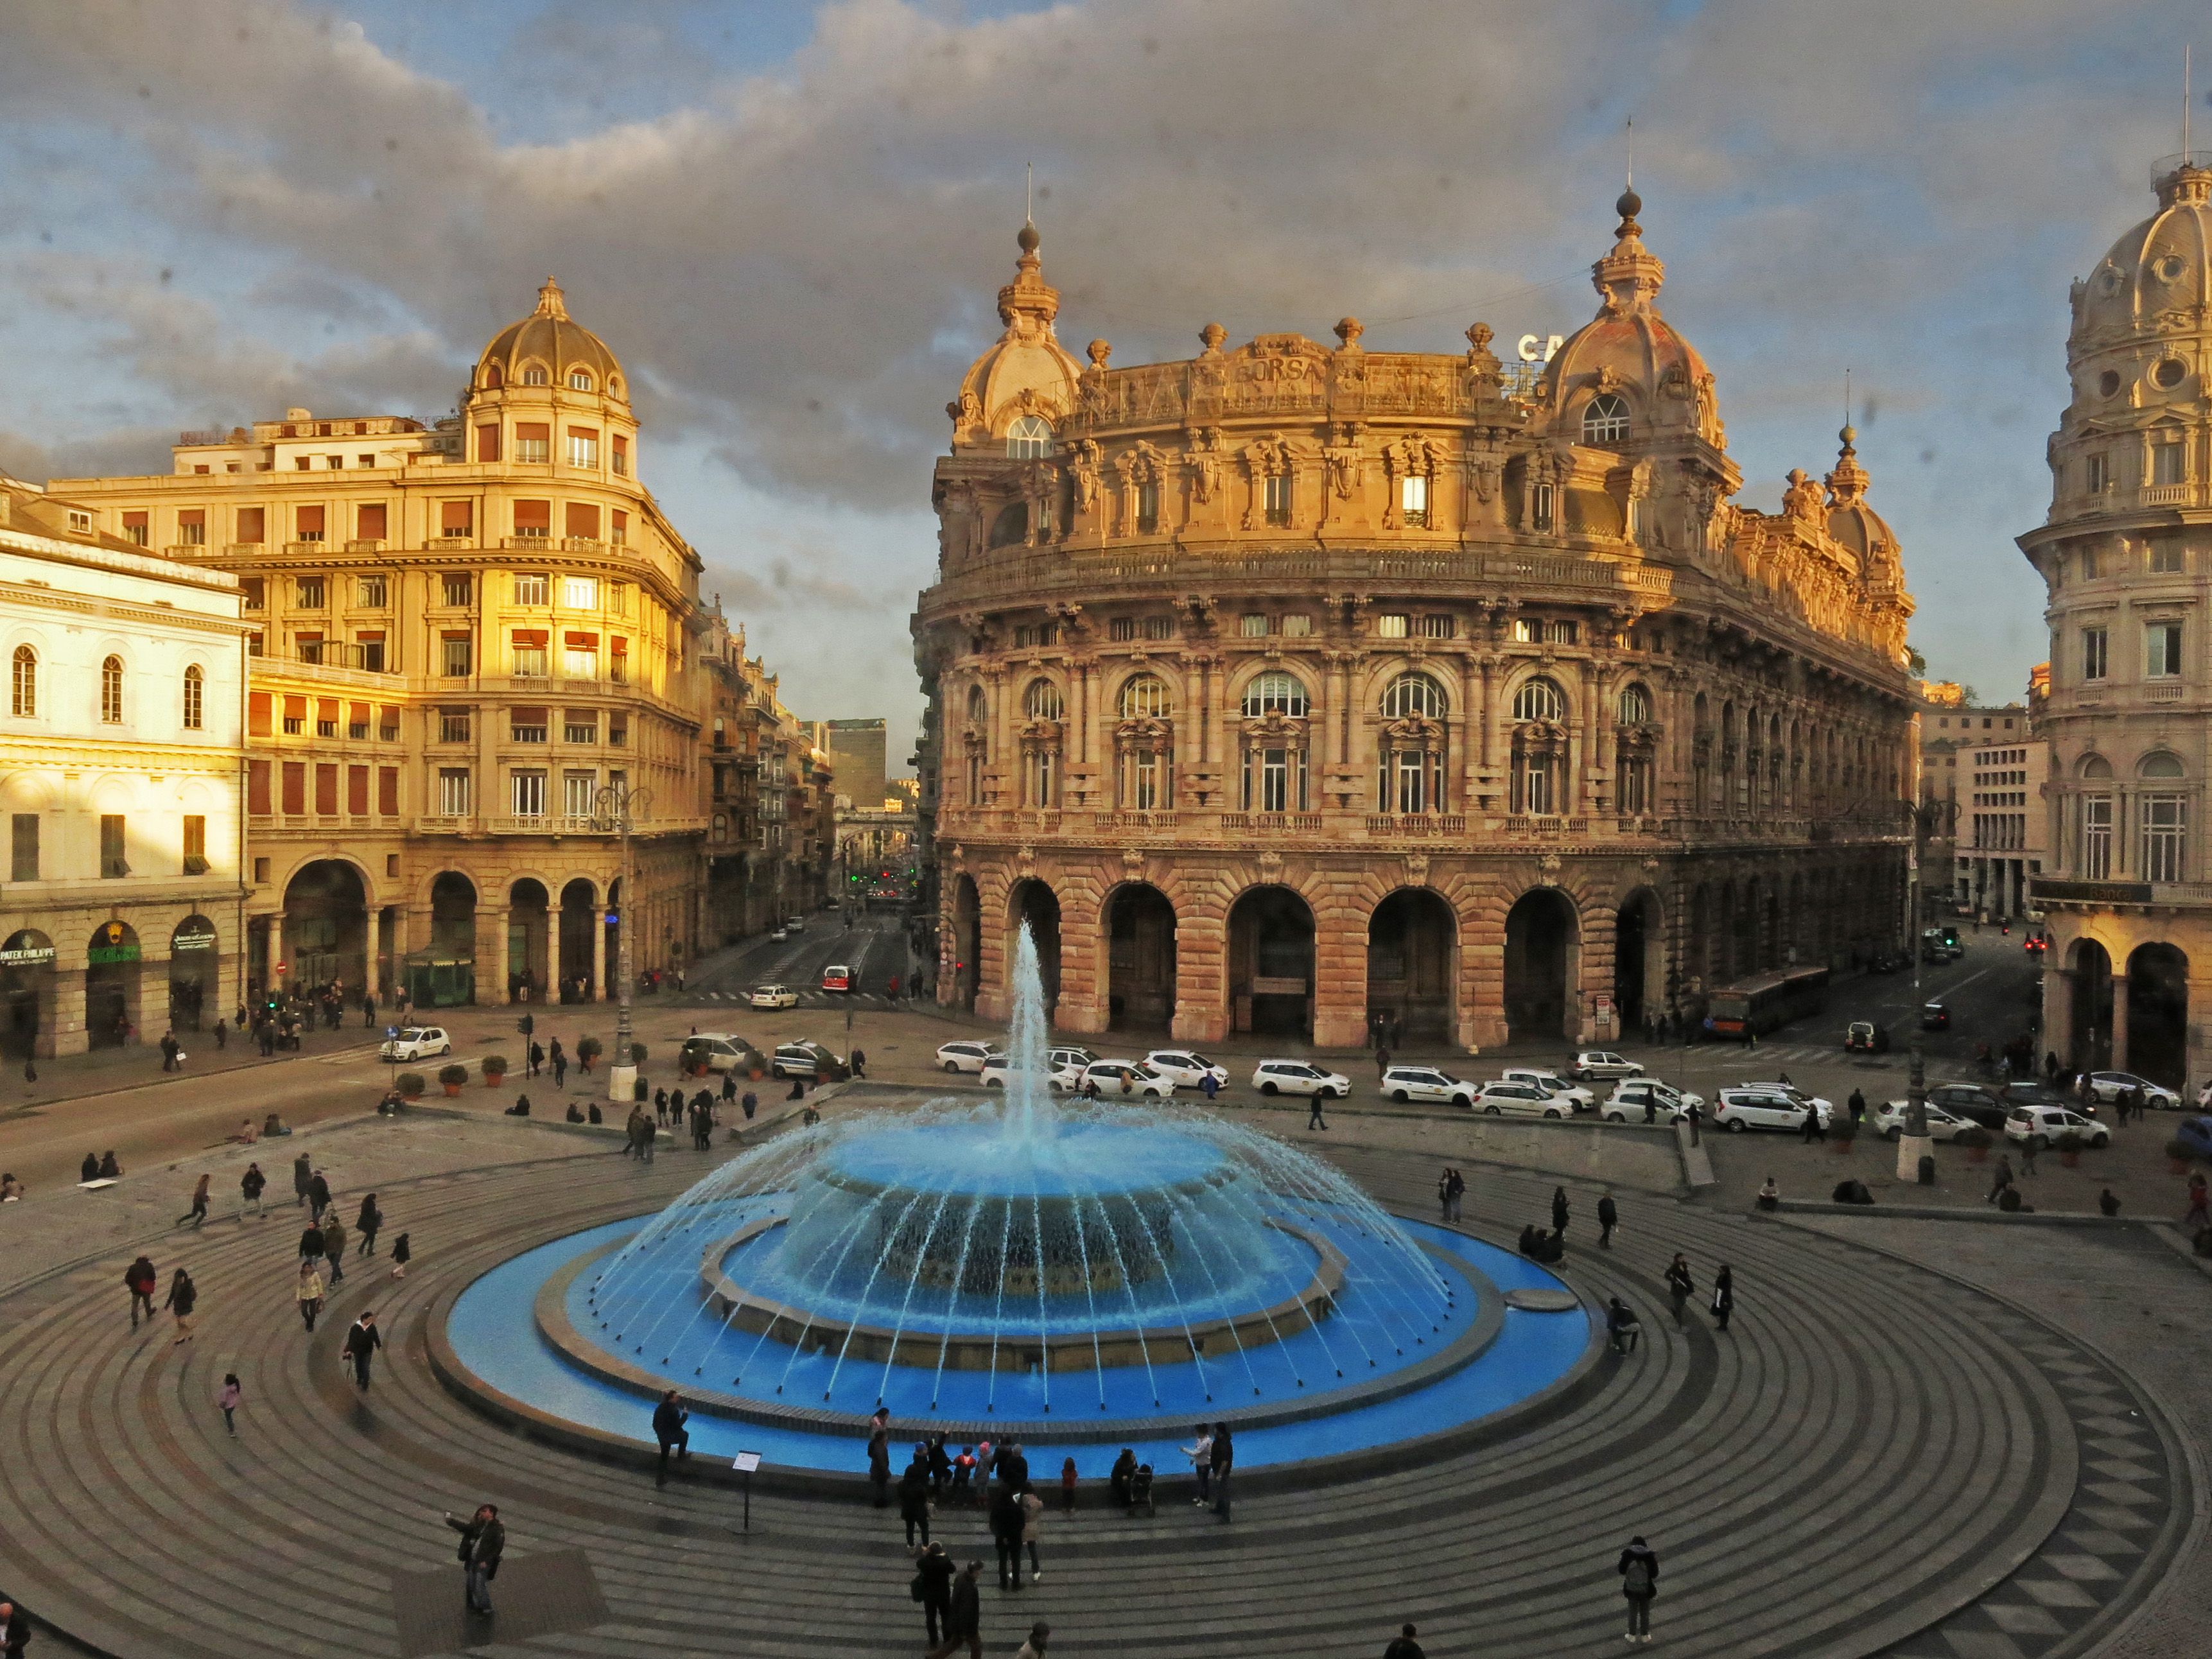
column 1976, row 1141
column 637, row 1053
column 587, row 1051
column 494, row 1068
column 411, row 1085
column 2070, row 1146
column 453, row 1076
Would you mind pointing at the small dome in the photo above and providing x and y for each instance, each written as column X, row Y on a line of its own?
column 2161, row 270
column 1854, row 525
column 547, row 339
column 1027, row 373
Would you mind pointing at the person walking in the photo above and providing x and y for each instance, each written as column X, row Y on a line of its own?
column 401, row 1255
column 1723, row 1297
column 303, row 1174
column 1443, row 1194
column 1810, row 1127
column 2000, row 1180
column 1858, row 1108
column 963, row 1616
column 334, row 1244
column 362, row 1342
column 560, row 1065
column 1040, row 1636
column 318, row 1194
column 1224, row 1461
column 669, row 1418
column 142, row 1279
column 1560, row 1209
column 311, row 1242
column 914, row 1495
column 533, row 1059
column 2027, row 1156
column 1032, row 1519
column 858, row 1062
column 228, row 1399
column 1006, row 1520
column 197, row 1215
column 184, row 1296
column 1314, row 1119
column 1679, row 1288
column 1381, row 1061
column 367, row 1224
column 308, row 1293
column 1457, row 1195
column 933, row 1588
column 1639, row 1585
column 1608, row 1217
column 483, row 1541
column 250, row 1188
column 879, row 1462
column 1404, row 1647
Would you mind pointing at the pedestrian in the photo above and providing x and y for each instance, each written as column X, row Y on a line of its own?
column 1381, row 1061
column 1404, row 1647
column 1456, row 1196
column 1679, row 1286
column 749, row 1105
column 963, row 1616
column 1223, row 1459
column 221, row 1035
column 1858, row 1108
column 1608, row 1217
column 560, row 1065
column 660, row 1105
column 1443, row 1194
column 2107, row 1205
column 1639, row 1583
column 184, row 1294
column 1723, row 1297
column 860, row 1064
column 142, row 1280
column 400, row 1256
column 647, row 1134
column 1373, row 1029
column 250, row 1187
column 1209, row 1085
column 1066, row 1483
column 914, row 1495
column 2001, row 1180
column 1314, row 1119
column 14, row 1630
column 308, row 1294
column 2027, row 1156
column 89, row 1170
column 318, row 1194
column 197, row 1215
column 170, row 1050
column 1040, row 1634
column 669, row 1418
column 880, row 1462
column 2137, row 1101
column 484, row 1539
column 311, row 1242
column 1006, row 1521
column 1810, row 1127
column 1032, row 1519
column 334, row 1244
column 109, row 1168
column 1770, row 1195
column 226, row 1399
column 933, row 1588
column 303, row 1174
column 362, row 1342
column 1696, row 1113
column 367, row 1224
column 1558, row 1209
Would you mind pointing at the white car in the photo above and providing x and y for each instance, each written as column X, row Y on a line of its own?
column 1118, row 1079
column 1593, row 1063
column 1888, row 1118
column 1070, row 1058
column 1189, row 1069
column 2109, row 1086
column 997, row 1070
column 1578, row 1099
column 1295, row 1076
column 773, row 996
column 1406, row 1082
column 779, row 935
column 797, row 924
column 964, row 1056
column 416, row 1043
column 721, row 1051
column 1767, row 1106
column 2041, row 1125
column 1522, row 1099
column 1631, row 1096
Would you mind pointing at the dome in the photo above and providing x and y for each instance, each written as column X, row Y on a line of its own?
column 2154, row 274
column 547, row 339
column 1852, row 524
column 1028, row 372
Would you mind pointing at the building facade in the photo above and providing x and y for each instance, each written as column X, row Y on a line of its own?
column 1950, row 729
column 1294, row 684
column 122, row 769
column 2004, row 822
column 858, row 751
column 469, row 639
column 2126, row 555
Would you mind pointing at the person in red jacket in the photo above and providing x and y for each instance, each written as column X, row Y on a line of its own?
column 141, row 1280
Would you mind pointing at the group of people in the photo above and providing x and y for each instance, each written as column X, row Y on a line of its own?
column 951, row 1595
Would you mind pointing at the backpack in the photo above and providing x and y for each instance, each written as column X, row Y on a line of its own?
column 914, row 1588
column 1636, row 1581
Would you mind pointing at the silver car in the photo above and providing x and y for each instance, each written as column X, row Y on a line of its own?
column 1594, row 1063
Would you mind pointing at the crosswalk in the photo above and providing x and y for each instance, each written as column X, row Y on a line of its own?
column 816, row 999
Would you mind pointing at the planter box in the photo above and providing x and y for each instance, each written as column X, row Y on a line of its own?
column 450, row 1089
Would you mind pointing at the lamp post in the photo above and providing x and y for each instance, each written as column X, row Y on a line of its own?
column 614, row 805
column 1915, row 1143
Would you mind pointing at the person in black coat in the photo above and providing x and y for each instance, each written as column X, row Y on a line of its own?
column 669, row 1418
column 1123, row 1471
column 1225, row 1459
column 14, row 1630
column 1723, row 1297
column 1608, row 1217
column 362, row 1342
column 879, row 1463
column 1639, row 1583
column 1007, row 1521
column 1679, row 1287
column 914, row 1495
column 1404, row 1647
column 1558, row 1209
column 963, row 1616
column 89, row 1170
column 319, row 1195
column 366, row 1223
column 483, row 1541
column 933, row 1588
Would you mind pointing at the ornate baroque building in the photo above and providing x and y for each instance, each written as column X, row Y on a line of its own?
column 1294, row 682
column 2126, row 554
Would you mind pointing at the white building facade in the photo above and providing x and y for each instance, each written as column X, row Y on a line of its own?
column 2005, row 824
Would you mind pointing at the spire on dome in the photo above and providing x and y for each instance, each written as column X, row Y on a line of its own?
column 1628, row 278
column 1029, row 303
column 1847, row 483
column 550, row 302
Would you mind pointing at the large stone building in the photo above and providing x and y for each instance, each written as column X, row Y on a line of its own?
column 1291, row 684
column 121, row 764
column 2126, row 554
column 464, row 635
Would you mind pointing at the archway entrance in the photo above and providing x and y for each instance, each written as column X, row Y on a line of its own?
column 2093, row 1007
column 2158, row 1014
column 1411, row 962
column 527, row 908
column 1140, row 976
column 27, row 994
column 1639, row 970
column 326, row 926
column 1035, row 906
column 194, row 953
column 111, row 984
column 578, row 910
column 1540, row 935
column 1270, row 964
column 967, row 943
column 445, row 974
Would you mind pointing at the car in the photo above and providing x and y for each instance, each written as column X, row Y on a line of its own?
column 1971, row 1102
column 2035, row 945
column 2195, row 1133
column 1594, row 1063
column 718, row 1051
column 1767, row 1106
column 1295, row 1076
column 1935, row 1017
column 1864, row 1036
column 809, row 1060
column 416, row 1043
column 1888, row 962
column 2024, row 1093
column 1577, row 1099
column 1127, row 1078
column 772, row 996
column 1888, row 1117
column 1407, row 1083
column 2109, row 1086
column 1189, row 1069
column 997, row 1070
column 2041, row 1125
column 964, row 1055
column 1521, row 1099
column 797, row 924
column 1668, row 1104
column 836, row 977
column 1069, row 1058
column 780, row 934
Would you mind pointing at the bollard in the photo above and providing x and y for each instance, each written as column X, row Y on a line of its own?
column 1926, row 1170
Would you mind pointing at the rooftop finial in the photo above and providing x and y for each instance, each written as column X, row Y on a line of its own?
column 1848, row 434
column 550, row 302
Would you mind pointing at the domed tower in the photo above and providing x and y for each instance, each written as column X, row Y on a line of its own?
column 2126, row 554
column 1016, row 391
column 1857, row 528
column 547, row 390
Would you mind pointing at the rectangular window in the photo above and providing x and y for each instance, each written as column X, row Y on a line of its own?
column 191, row 525
column 195, row 708
column 1391, row 626
column 1413, row 501
column 533, row 441
column 1527, row 630
column 307, row 592
column 618, row 730
column 1122, row 628
column 2096, row 473
column 2169, row 462
column 326, row 717
column 454, row 792
column 258, row 722
column 528, row 646
column 1298, row 626
column 252, row 593
column 257, row 788
column 1540, row 506
column 1253, row 626
column 1435, row 626
column 618, row 533
column 457, row 518
column 364, row 460
column 581, row 521
column 334, row 463
column 617, row 660
column 2161, row 650
column 307, row 524
column 1148, row 508
column 584, row 445
column 2096, row 653
column 533, row 519
column 2165, row 554
column 456, row 586
column 1561, row 633
column 530, row 590
column 1275, row 494
column 453, row 726
column 488, row 442
column 580, row 726
column 387, row 791
column 113, row 862
column 24, row 847
column 2164, row 824
column 1159, row 628
column 295, row 716
column 326, row 788
column 1143, row 794
column 368, row 522
column 455, row 656
column 296, row 785
column 2096, row 837
column 371, row 591
column 621, row 456
column 357, row 722
column 357, row 791
column 528, row 794
column 527, row 725
column 579, row 592
column 577, row 793
column 580, row 656
column 388, row 723
column 134, row 529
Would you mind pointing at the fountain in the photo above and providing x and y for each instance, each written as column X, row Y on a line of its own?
column 1064, row 1271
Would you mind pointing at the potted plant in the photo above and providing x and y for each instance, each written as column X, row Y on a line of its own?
column 637, row 1053
column 495, row 1070
column 411, row 1085
column 2069, row 1148
column 453, row 1076
column 1976, row 1141
column 587, row 1051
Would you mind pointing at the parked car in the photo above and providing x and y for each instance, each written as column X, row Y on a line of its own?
column 836, row 977
column 416, row 1043
column 1188, row 1070
column 773, row 996
column 998, row 1069
column 2035, row 943
column 1888, row 1119
column 1110, row 1077
column 809, row 1060
column 1628, row 1100
column 1295, row 1076
column 2109, row 1086
column 779, row 934
column 1069, row 1058
column 1864, row 1036
column 1405, row 1083
column 1889, row 962
column 718, row 1051
column 1522, row 1100
column 2040, row 1125
column 1594, row 1063
column 1767, row 1106
column 2023, row 1093
column 797, row 924
column 1576, row 1099
column 1971, row 1102
column 1935, row 1017
column 964, row 1055
column 2196, row 1134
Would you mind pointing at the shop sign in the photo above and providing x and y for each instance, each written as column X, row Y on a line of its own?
column 101, row 956
column 199, row 939
column 16, row 952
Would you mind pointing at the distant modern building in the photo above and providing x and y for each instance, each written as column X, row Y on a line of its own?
column 857, row 751
column 2003, row 826
column 1950, row 729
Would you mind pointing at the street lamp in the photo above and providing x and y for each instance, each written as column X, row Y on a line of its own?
column 614, row 805
column 1915, row 1143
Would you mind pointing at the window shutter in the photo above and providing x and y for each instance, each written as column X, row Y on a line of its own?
column 326, row 709
column 388, row 714
column 252, row 525
column 257, row 719
column 370, row 527
column 584, row 520
column 458, row 517
column 358, row 716
column 357, row 790
column 296, row 785
column 575, row 641
column 309, row 522
column 533, row 515
column 529, row 431
column 619, row 646
column 295, row 708
column 197, row 515
column 530, row 716
column 257, row 786
column 488, row 442
column 135, row 521
column 327, row 788
column 531, row 636
column 387, row 791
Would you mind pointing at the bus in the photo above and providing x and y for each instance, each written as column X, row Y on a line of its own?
column 1758, row 1004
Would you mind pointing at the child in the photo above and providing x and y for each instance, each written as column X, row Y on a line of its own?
column 400, row 1253
column 1067, row 1481
column 963, row 1473
column 227, row 1397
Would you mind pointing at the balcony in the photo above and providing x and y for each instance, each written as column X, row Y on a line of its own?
column 2157, row 691
column 2180, row 895
column 1267, row 824
column 1418, row 823
column 373, row 545
column 449, row 543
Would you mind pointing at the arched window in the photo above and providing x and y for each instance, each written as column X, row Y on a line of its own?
column 978, row 741
column 1635, row 706
column 1275, row 693
column 1633, row 791
column 1605, row 419
column 111, row 691
column 1146, row 697
column 2165, row 821
column 1028, row 437
column 195, row 687
column 2161, row 765
column 580, row 379
column 1042, row 702
column 536, row 375
column 1540, row 699
column 979, row 706
column 1145, row 750
column 23, row 692
column 493, row 379
column 1412, row 694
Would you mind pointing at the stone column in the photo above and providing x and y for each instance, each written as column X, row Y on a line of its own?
column 1201, row 1011
column 1339, row 970
column 491, row 954
column 2119, row 1016
column 600, row 949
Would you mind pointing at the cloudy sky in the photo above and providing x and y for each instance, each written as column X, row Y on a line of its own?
column 791, row 221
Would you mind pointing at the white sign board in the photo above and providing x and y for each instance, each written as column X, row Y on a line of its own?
column 746, row 1462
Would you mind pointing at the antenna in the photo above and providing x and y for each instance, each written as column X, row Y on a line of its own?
column 1847, row 396
column 1632, row 152
column 2188, row 91
column 1029, row 205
